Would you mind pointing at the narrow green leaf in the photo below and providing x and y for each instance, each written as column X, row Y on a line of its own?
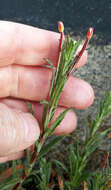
column 28, row 156
column 60, row 164
column 77, row 152
column 68, row 186
column 86, row 131
column 58, row 120
column 99, row 109
column 50, row 145
column 45, row 173
column 94, row 143
column 45, row 110
column 52, row 81
column 85, row 176
column 14, row 167
column 49, row 62
column 9, row 184
column 94, row 146
column 44, row 114
column 104, row 109
column 30, row 107
column 44, row 102
column 57, row 91
column 27, row 165
column 48, row 174
column 73, row 162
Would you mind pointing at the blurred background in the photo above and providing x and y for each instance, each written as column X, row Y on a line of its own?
column 77, row 16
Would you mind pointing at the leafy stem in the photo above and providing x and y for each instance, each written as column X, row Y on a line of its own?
column 67, row 60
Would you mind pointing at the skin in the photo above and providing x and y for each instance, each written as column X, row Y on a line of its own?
column 23, row 50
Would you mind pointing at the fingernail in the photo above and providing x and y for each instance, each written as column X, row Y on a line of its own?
column 31, row 126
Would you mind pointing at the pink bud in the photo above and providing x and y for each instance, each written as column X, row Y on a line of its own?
column 60, row 26
column 90, row 33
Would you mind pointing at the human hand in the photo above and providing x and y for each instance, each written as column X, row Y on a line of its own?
column 23, row 50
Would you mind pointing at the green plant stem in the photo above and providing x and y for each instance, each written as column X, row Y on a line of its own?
column 97, row 125
column 32, row 163
column 53, row 102
column 57, row 88
column 65, row 66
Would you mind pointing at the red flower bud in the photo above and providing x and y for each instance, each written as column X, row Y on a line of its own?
column 90, row 33
column 60, row 26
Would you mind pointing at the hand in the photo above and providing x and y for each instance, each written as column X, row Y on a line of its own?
column 23, row 50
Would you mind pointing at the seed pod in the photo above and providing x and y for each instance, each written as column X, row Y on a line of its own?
column 60, row 26
column 90, row 33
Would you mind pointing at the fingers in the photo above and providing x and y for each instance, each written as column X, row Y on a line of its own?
column 18, row 130
column 16, row 155
column 12, row 144
column 70, row 118
column 34, row 84
column 26, row 45
column 12, row 156
column 77, row 93
column 66, row 126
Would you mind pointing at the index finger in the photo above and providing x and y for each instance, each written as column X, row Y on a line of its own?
column 27, row 45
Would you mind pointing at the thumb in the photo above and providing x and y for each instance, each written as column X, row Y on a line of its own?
column 18, row 130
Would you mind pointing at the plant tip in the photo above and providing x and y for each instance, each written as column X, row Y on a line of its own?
column 60, row 26
column 90, row 33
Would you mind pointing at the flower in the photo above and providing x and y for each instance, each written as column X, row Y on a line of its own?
column 60, row 26
column 90, row 33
